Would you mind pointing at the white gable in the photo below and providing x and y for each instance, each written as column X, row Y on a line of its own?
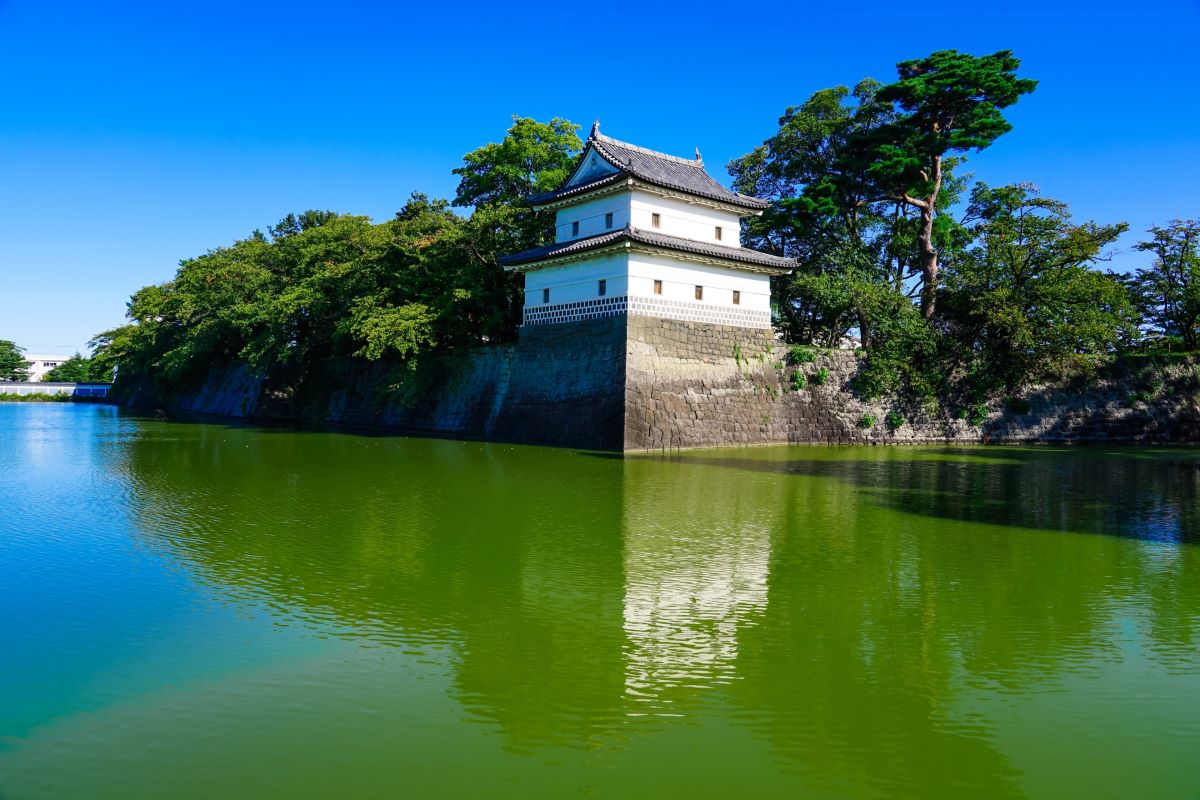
column 591, row 168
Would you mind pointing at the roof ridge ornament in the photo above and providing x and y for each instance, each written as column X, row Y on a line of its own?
column 699, row 158
column 595, row 129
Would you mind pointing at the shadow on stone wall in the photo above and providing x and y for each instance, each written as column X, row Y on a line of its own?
column 642, row 383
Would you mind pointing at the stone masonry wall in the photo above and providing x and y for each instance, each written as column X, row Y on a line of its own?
column 558, row 385
column 693, row 385
column 637, row 383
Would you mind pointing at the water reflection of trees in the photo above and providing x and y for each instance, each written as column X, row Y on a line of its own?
column 844, row 601
column 878, row 624
column 508, row 557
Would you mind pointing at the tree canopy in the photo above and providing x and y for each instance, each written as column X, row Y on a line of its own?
column 1023, row 298
column 13, row 366
column 319, row 287
column 953, row 290
column 1168, row 292
column 78, row 369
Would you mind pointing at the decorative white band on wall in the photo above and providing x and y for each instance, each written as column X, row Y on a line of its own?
column 573, row 312
column 646, row 307
column 699, row 312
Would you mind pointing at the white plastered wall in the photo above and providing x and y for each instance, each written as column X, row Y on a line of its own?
column 680, row 279
column 590, row 216
column 578, row 280
column 687, row 220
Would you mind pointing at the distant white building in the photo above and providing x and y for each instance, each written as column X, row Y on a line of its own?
column 39, row 365
column 642, row 232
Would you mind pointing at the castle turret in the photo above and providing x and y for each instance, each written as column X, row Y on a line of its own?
column 647, row 233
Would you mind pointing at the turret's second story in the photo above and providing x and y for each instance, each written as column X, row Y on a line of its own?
column 619, row 185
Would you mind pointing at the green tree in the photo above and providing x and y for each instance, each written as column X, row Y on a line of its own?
column 1168, row 292
column 837, row 235
column 856, row 247
column 494, row 181
column 947, row 104
column 13, row 366
column 77, row 369
column 1024, row 300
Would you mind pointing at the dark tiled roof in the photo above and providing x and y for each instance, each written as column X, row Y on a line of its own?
column 763, row 261
column 579, row 188
column 659, row 169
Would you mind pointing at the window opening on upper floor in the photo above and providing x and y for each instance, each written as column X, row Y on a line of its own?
column 608, row 220
column 656, row 220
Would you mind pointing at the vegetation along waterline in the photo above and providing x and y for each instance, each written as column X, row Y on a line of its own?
column 963, row 295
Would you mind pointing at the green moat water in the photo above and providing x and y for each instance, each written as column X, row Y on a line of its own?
column 205, row 610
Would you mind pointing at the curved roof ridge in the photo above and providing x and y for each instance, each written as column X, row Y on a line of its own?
column 597, row 136
column 652, row 168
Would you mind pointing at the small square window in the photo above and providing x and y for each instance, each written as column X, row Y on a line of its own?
column 608, row 220
column 603, row 288
column 545, row 295
column 699, row 292
column 575, row 228
column 656, row 220
column 737, row 296
column 658, row 287
column 718, row 232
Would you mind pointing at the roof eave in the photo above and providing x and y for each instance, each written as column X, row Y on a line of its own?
column 713, row 260
column 609, row 185
column 741, row 209
column 563, row 258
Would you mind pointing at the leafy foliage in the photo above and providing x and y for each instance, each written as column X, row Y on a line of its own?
column 321, row 287
column 13, row 366
column 78, row 369
column 864, row 194
column 1168, row 292
column 798, row 354
column 821, row 213
column 1022, row 301
column 494, row 180
column 947, row 104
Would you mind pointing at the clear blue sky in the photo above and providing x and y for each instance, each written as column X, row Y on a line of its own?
column 134, row 134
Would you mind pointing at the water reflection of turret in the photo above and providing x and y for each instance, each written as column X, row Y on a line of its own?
column 508, row 559
column 697, row 551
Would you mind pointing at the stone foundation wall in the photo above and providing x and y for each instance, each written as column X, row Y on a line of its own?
column 558, row 385
column 692, row 385
column 638, row 383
